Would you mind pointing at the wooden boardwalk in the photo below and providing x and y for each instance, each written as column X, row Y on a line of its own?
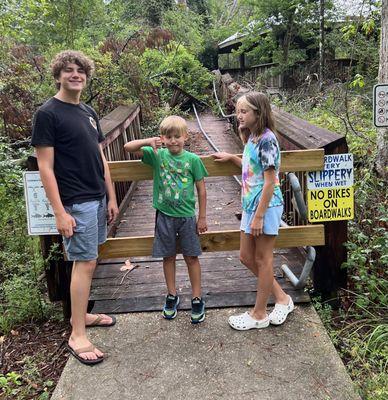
column 225, row 281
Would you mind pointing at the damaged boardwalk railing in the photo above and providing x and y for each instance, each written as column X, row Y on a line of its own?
column 291, row 236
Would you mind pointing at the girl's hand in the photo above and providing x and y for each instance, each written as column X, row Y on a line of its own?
column 257, row 226
column 222, row 156
column 155, row 143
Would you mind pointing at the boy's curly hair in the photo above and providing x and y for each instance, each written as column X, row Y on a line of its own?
column 71, row 56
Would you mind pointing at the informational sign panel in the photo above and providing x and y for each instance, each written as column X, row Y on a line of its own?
column 330, row 194
column 40, row 216
column 380, row 105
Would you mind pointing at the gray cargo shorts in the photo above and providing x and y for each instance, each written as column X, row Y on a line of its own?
column 169, row 231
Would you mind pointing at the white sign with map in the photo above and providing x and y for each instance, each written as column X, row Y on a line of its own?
column 40, row 215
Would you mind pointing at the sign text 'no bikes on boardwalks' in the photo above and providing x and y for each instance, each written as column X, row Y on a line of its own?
column 330, row 194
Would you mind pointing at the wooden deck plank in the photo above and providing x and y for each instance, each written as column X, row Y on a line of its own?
column 293, row 236
column 213, row 300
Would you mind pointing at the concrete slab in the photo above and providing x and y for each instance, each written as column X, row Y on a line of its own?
column 152, row 358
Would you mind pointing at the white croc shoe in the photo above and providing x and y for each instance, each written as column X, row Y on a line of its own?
column 280, row 312
column 243, row 322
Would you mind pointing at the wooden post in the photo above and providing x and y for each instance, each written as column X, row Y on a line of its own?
column 242, row 62
column 328, row 276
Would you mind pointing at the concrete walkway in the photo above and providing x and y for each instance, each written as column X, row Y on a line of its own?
column 151, row 358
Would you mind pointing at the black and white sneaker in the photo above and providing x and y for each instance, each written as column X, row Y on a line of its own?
column 197, row 310
column 170, row 308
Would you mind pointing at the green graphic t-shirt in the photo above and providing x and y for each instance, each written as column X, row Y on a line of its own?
column 174, row 179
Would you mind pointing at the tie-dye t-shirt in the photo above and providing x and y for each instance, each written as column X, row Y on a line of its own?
column 257, row 158
column 174, row 180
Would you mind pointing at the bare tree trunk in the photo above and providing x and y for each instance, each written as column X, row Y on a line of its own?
column 321, row 42
column 382, row 133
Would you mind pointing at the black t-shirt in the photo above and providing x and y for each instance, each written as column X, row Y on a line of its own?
column 74, row 132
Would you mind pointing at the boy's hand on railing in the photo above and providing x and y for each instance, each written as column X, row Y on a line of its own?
column 201, row 225
column 155, row 143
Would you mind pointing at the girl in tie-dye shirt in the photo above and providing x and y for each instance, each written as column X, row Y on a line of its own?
column 262, row 205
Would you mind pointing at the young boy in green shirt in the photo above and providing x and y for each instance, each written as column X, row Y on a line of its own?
column 175, row 172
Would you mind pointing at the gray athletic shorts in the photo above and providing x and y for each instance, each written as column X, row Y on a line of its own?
column 90, row 230
column 170, row 231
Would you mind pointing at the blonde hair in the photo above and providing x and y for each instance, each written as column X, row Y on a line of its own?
column 173, row 124
column 60, row 61
column 261, row 106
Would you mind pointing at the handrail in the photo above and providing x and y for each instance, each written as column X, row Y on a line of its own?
column 120, row 126
column 293, row 160
column 209, row 139
column 219, row 104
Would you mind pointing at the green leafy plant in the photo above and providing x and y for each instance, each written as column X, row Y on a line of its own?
column 9, row 383
column 175, row 65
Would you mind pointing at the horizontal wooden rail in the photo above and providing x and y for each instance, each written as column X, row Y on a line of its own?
column 293, row 236
column 292, row 161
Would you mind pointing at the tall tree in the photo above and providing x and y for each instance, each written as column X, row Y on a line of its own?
column 321, row 41
column 382, row 133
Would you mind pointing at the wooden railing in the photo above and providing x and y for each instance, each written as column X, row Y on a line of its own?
column 295, row 236
column 119, row 127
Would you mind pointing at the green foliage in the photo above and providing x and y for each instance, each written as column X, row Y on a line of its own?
column 9, row 383
column 21, row 296
column 28, row 382
column 151, row 127
column 219, row 20
column 21, row 301
column 23, row 84
column 284, row 29
column 368, row 240
column 144, row 12
column 186, row 27
column 358, row 40
column 358, row 81
column 62, row 22
column 360, row 329
column 174, row 64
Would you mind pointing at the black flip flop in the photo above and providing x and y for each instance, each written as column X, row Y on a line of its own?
column 76, row 354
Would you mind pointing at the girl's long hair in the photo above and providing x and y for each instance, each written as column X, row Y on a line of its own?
column 261, row 106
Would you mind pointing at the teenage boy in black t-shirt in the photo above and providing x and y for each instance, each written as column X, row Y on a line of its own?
column 74, row 172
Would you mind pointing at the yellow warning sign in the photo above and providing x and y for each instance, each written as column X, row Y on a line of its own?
column 330, row 204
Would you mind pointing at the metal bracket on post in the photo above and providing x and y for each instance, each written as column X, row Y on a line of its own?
column 300, row 282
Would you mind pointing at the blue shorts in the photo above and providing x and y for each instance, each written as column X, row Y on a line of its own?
column 271, row 223
column 90, row 230
column 170, row 231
